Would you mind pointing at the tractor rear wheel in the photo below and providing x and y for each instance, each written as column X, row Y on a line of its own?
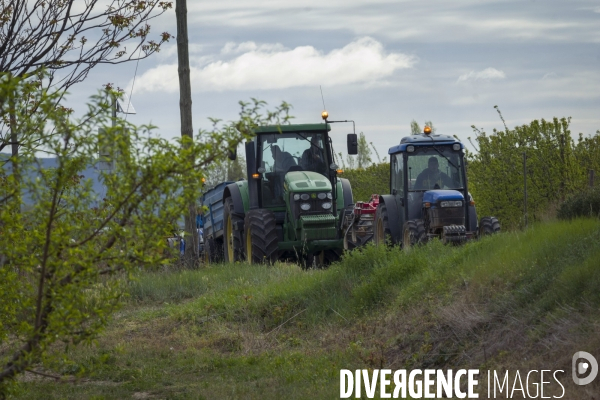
column 413, row 233
column 260, row 234
column 488, row 226
column 232, row 238
column 381, row 230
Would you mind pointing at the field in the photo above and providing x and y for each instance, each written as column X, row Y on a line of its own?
column 515, row 301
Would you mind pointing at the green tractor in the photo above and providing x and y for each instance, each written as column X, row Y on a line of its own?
column 292, row 205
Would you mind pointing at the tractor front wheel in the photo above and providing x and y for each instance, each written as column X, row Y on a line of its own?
column 488, row 226
column 261, row 239
column 232, row 238
column 414, row 233
column 382, row 234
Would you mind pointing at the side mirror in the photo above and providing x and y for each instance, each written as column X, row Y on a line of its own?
column 352, row 144
column 232, row 154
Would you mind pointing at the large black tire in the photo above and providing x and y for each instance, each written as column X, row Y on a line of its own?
column 322, row 259
column 260, row 234
column 232, row 239
column 413, row 233
column 381, row 227
column 212, row 251
column 488, row 226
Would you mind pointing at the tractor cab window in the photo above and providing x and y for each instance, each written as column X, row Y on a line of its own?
column 429, row 169
column 286, row 152
column 397, row 173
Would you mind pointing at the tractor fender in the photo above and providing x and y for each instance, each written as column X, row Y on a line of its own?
column 233, row 190
column 394, row 217
column 347, row 192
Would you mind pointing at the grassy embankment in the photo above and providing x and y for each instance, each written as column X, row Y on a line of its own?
column 523, row 300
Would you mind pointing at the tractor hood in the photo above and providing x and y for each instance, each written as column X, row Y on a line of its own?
column 306, row 181
column 433, row 196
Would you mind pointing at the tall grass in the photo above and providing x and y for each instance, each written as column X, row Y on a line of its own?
column 546, row 265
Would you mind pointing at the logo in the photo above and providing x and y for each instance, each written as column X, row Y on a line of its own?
column 584, row 364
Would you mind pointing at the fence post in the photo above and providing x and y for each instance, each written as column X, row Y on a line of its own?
column 591, row 178
column 525, row 186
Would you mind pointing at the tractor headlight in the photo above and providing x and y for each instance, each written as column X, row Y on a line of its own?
column 457, row 203
column 410, row 149
column 322, row 196
column 326, row 206
column 305, row 206
column 329, row 196
column 296, row 197
column 456, row 147
column 305, row 196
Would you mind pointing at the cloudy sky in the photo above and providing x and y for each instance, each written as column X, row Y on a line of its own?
column 380, row 63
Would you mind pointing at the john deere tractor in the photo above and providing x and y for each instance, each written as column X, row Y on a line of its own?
column 429, row 195
column 291, row 204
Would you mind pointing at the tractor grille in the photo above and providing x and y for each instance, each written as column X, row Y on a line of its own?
column 441, row 217
column 318, row 227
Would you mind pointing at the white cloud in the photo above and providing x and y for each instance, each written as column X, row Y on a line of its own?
column 486, row 74
column 245, row 47
column 274, row 67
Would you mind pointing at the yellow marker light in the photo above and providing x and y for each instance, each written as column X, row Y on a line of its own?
column 256, row 176
column 472, row 203
column 203, row 180
column 324, row 115
column 427, row 130
column 427, row 205
column 340, row 171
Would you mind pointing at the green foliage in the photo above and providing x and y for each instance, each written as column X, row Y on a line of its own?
column 280, row 332
column 375, row 179
column 59, row 255
column 415, row 129
column 556, row 167
column 363, row 158
column 225, row 170
column 583, row 204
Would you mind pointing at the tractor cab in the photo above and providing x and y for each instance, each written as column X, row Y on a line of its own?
column 298, row 160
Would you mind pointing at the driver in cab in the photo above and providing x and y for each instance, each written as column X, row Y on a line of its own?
column 312, row 158
column 432, row 177
column 283, row 160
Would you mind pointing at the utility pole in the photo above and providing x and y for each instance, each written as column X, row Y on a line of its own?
column 185, row 112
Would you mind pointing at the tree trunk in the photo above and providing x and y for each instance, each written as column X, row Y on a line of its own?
column 185, row 112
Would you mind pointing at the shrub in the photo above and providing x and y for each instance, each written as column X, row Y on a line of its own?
column 582, row 204
column 367, row 181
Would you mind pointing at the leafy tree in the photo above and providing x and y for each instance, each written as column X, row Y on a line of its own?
column 415, row 129
column 225, row 170
column 60, row 256
column 375, row 179
column 556, row 167
column 363, row 159
column 68, row 38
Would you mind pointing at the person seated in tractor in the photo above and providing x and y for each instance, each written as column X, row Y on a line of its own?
column 432, row 177
column 282, row 162
column 313, row 158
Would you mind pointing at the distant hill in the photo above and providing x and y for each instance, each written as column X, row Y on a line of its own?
column 92, row 172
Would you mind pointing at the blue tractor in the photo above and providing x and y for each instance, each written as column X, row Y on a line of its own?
column 429, row 195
